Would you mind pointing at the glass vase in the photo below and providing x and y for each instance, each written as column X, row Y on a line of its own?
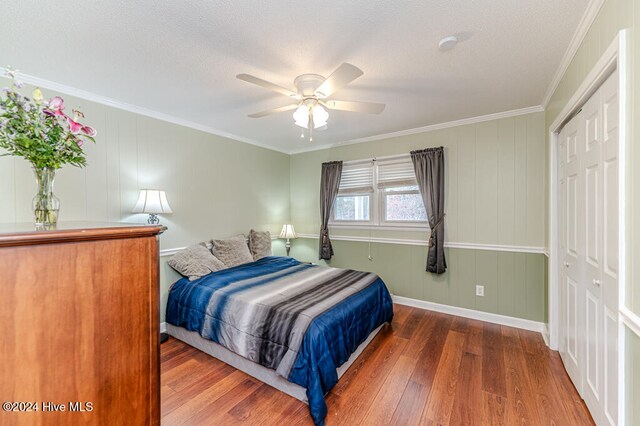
column 45, row 204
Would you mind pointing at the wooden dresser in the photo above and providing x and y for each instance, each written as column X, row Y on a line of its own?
column 79, row 317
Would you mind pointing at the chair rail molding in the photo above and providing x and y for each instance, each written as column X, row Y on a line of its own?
column 448, row 244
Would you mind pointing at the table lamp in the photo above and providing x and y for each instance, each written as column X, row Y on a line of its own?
column 153, row 202
column 289, row 233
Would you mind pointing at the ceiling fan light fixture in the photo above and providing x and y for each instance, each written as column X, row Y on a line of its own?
column 320, row 116
column 311, row 115
column 301, row 116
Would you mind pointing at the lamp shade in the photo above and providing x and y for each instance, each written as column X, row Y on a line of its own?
column 152, row 201
column 320, row 116
column 288, row 232
column 301, row 116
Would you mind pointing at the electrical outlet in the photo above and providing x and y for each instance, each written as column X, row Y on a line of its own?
column 479, row 290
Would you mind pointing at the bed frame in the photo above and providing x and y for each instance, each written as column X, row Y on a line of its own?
column 257, row 371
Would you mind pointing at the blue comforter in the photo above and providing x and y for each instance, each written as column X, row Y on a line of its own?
column 301, row 320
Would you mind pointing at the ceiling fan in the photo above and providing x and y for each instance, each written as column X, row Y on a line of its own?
column 312, row 91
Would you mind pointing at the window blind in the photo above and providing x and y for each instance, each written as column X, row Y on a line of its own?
column 396, row 173
column 356, row 178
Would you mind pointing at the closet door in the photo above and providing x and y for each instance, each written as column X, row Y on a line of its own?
column 588, row 223
column 590, row 145
column 609, row 264
column 571, row 219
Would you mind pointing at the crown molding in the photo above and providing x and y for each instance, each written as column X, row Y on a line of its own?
column 110, row 102
column 590, row 15
column 430, row 128
column 103, row 100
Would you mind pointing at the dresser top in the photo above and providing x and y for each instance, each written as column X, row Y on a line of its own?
column 16, row 234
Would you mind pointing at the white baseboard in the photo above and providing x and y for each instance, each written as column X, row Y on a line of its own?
column 545, row 334
column 470, row 313
column 163, row 327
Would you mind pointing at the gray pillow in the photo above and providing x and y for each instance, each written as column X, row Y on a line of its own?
column 195, row 261
column 232, row 251
column 259, row 244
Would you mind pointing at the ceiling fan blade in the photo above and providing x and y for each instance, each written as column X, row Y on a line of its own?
column 267, row 85
column 368, row 107
column 342, row 76
column 273, row 111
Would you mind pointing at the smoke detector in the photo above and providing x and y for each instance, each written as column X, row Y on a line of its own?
column 448, row 43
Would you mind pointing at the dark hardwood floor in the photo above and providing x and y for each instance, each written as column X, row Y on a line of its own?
column 426, row 368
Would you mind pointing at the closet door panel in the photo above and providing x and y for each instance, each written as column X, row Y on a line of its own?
column 610, row 257
column 592, row 231
column 573, row 248
column 610, row 367
column 571, row 309
column 592, row 359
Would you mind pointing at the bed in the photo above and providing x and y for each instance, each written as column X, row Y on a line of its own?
column 293, row 325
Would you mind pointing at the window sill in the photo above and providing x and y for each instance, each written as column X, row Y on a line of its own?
column 386, row 227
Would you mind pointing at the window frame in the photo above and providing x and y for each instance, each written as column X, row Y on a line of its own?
column 377, row 209
column 398, row 223
column 333, row 221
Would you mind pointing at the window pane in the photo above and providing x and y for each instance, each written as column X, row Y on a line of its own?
column 407, row 207
column 402, row 188
column 351, row 207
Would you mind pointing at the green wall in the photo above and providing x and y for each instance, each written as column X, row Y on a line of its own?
column 614, row 16
column 513, row 281
column 216, row 186
column 494, row 195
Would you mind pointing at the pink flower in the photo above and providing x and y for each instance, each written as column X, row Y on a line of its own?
column 79, row 142
column 56, row 105
column 74, row 127
column 89, row 131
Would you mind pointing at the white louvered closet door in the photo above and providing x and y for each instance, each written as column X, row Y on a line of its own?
column 588, row 173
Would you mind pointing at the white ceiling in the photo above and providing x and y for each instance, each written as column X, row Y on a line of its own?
column 181, row 58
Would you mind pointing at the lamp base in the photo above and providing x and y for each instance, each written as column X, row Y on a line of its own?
column 153, row 219
column 288, row 246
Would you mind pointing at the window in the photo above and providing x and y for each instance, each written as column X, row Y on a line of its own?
column 352, row 208
column 379, row 193
column 400, row 198
column 403, row 204
column 353, row 203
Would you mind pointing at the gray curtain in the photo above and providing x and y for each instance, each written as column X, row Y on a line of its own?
column 429, row 167
column 329, row 184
